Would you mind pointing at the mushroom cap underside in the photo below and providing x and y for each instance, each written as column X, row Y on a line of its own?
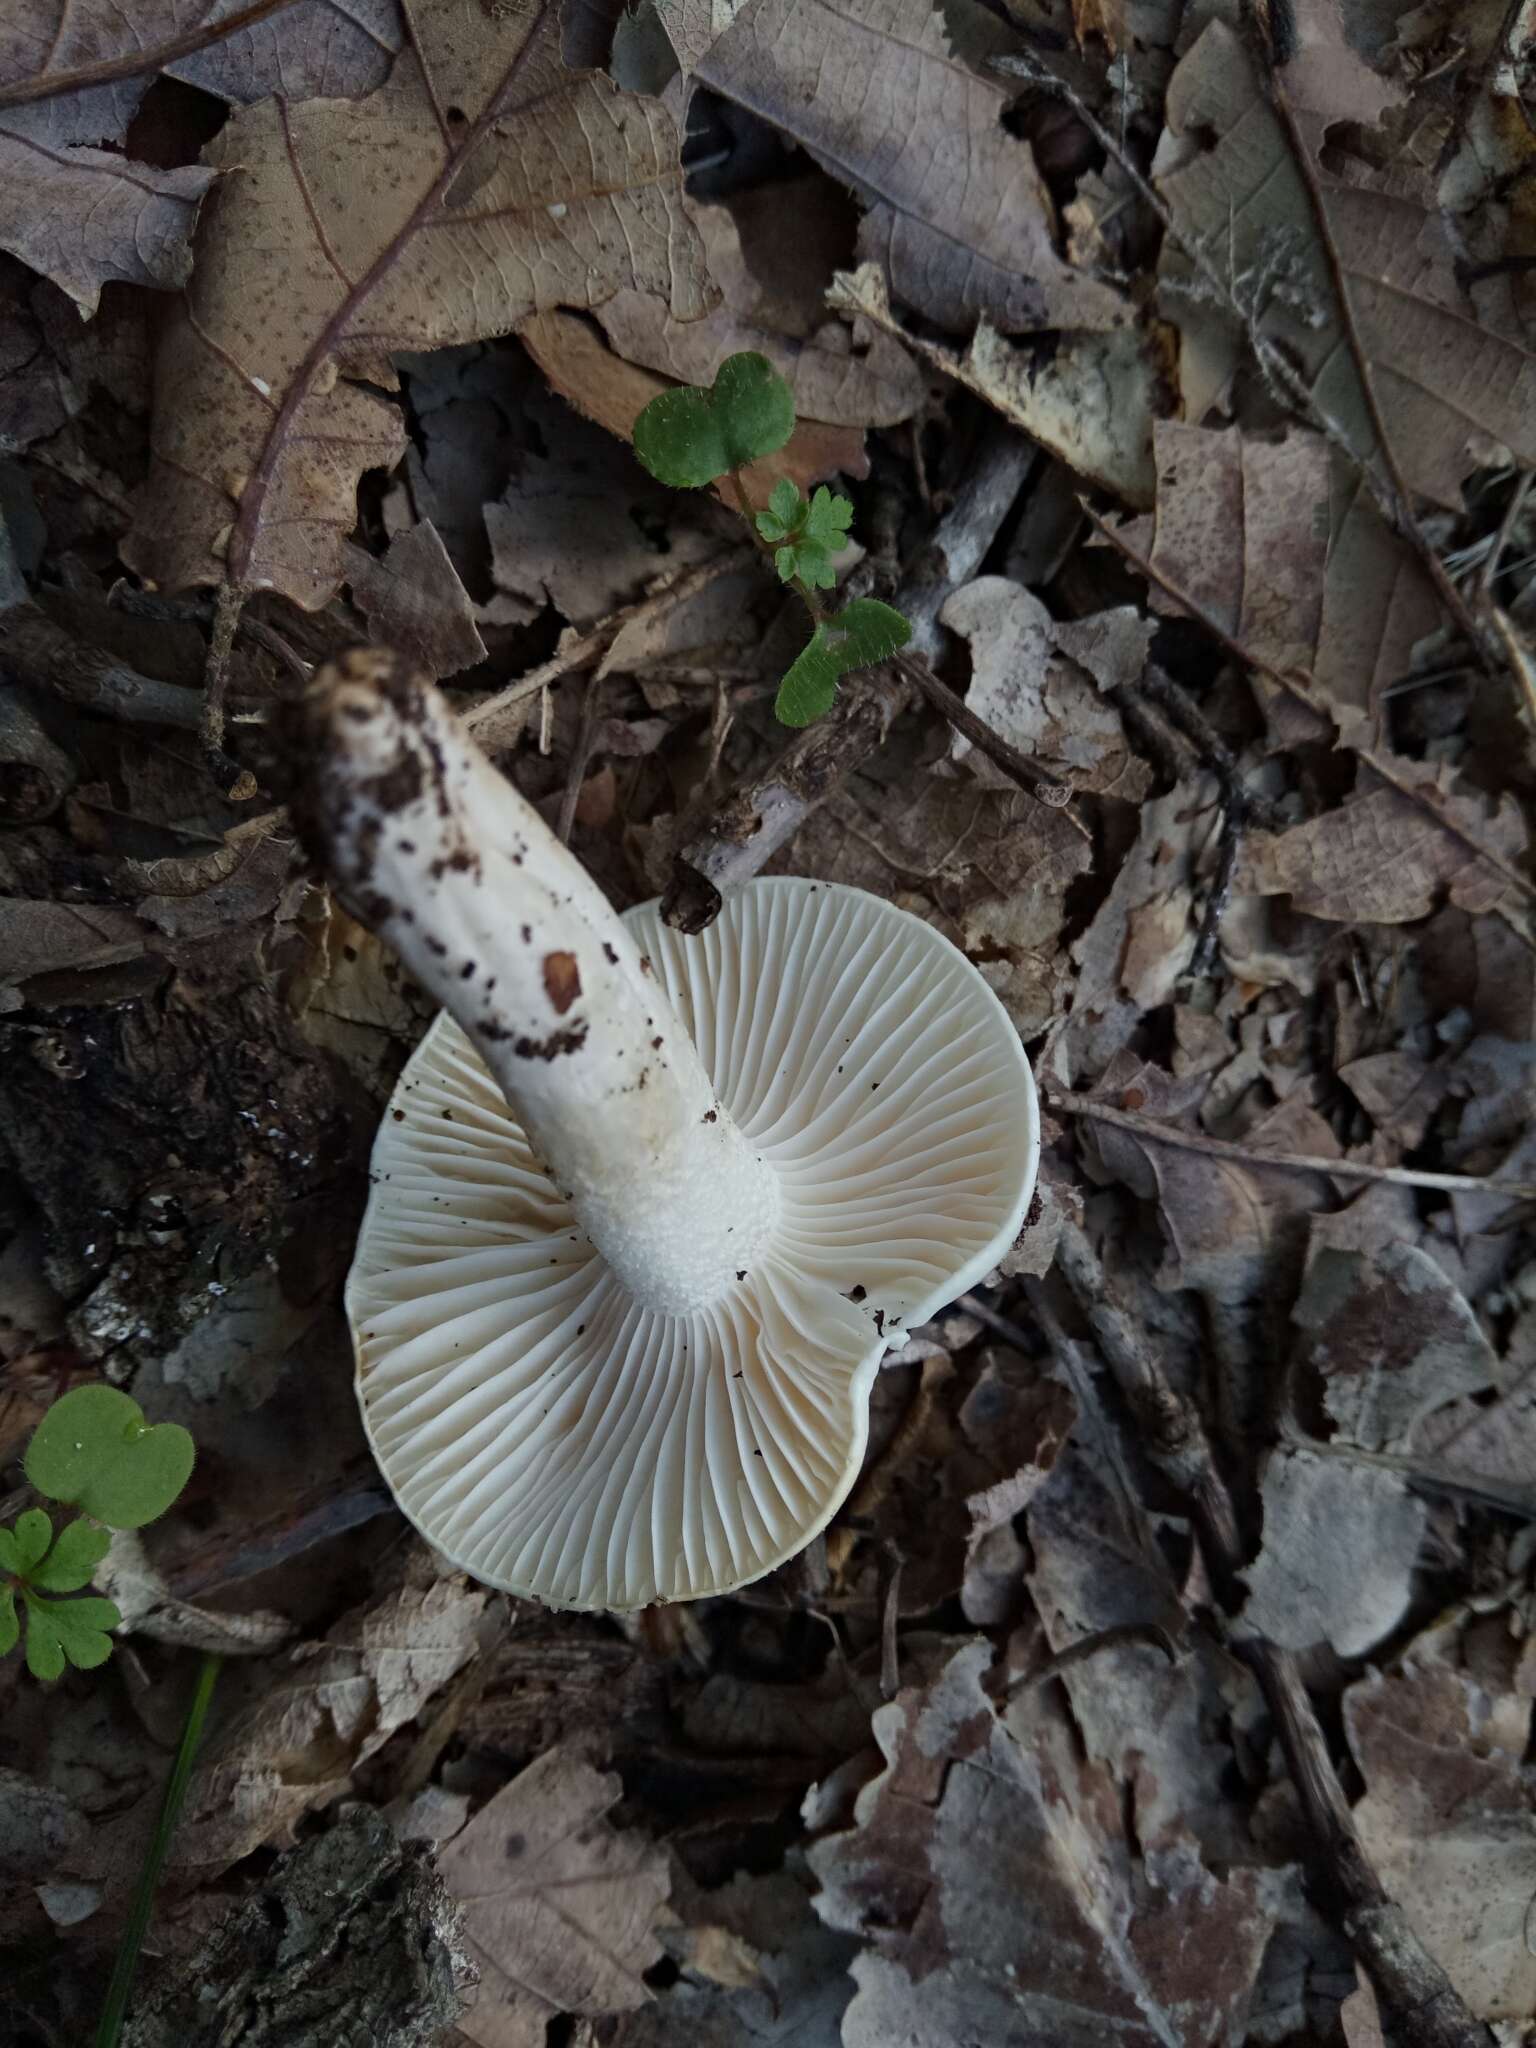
column 556, row 1439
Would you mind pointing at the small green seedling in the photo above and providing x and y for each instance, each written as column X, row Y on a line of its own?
column 93, row 1451
column 691, row 437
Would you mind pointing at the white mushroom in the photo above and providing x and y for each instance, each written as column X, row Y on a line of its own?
column 647, row 1210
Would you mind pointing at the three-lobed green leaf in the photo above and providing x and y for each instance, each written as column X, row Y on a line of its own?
column 93, row 1450
column 691, row 437
column 862, row 633
column 77, row 1550
column 811, row 533
column 72, row 1631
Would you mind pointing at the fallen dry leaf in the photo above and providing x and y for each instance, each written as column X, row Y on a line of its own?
column 316, row 1714
column 757, row 1966
column 956, row 208
column 838, row 376
column 1280, row 544
column 1121, row 976
column 102, row 59
column 1336, row 1563
column 413, row 600
column 580, row 527
column 482, row 184
column 1392, row 1340
column 85, row 217
column 1041, row 685
column 1000, row 1901
column 72, row 75
column 1231, row 1227
column 1452, row 394
column 559, row 1907
column 1449, row 1821
column 1158, row 1724
column 1381, row 858
column 1090, row 399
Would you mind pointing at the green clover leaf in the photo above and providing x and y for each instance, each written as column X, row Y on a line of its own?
column 30, row 1540
column 77, row 1550
column 10, row 1627
column 94, row 1451
column 862, row 633
column 689, row 437
column 73, row 1631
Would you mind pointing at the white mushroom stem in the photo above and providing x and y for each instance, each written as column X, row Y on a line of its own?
column 442, row 857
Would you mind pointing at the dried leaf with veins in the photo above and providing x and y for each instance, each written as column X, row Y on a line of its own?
column 85, row 218
column 956, row 209
column 559, row 1906
column 241, row 50
column 845, row 379
column 1452, row 394
column 1000, row 1899
column 1382, row 858
column 72, row 74
column 1279, row 543
column 482, row 184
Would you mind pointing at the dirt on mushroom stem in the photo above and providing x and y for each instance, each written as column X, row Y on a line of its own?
column 443, row 858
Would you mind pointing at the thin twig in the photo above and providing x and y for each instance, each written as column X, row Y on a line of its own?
column 1285, row 1162
column 1039, row 782
column 227, row 607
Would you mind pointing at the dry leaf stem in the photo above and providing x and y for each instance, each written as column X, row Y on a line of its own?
column 1428, row 2010
column 1286, row 1162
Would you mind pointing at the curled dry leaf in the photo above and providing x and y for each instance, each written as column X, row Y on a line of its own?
column 559, row 1907
column 1449, row 1821
column 1452, row 394
column 991, row 1878
column 482, row 184
column 956, row 208
column 313, row 1716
